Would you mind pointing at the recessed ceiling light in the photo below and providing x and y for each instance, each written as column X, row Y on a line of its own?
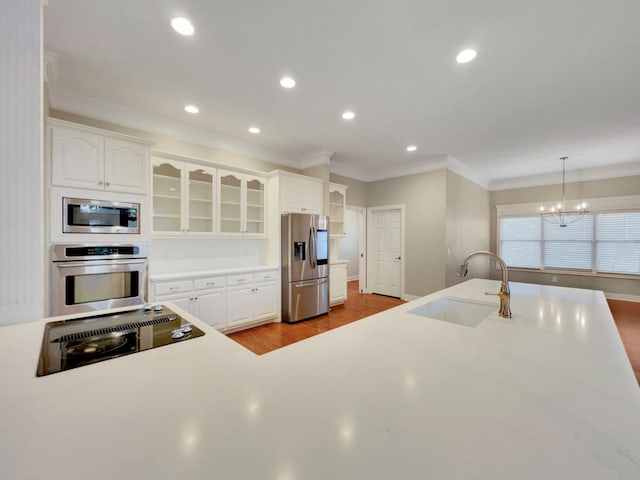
column 348, row 115
column 182, row 26
column 287, row 82
column 466, row 55
column 254, row 129
column 192, row 109
column 411, row 148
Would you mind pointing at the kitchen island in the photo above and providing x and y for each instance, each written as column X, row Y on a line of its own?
column 547, row 394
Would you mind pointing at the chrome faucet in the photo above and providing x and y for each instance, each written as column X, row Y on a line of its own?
column 504, row 293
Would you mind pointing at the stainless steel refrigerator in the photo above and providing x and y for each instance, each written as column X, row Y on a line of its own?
column 305, row 266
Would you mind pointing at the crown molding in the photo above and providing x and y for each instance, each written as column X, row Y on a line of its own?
column 383, row 173
column 465, row 171
column 163, row 125
column 600, row 173
column 313, row 159
column 427, row 165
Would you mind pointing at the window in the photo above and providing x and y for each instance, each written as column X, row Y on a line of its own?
column 601, row 242
column 618, row 241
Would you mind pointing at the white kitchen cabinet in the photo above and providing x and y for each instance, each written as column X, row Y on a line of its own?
column 252, row 297
column 202, row 297
column 183, row 197
column 265, row 295
column 300, row 194
column 241, row 204
column 337, row 283
column 209, row 301
column 178, row 292
column 85, row 158
column 226, row 302
column 337, row 207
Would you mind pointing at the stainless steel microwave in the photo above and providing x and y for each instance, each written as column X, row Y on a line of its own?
column 80, row 215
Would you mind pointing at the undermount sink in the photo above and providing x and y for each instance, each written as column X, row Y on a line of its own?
column 455, row 310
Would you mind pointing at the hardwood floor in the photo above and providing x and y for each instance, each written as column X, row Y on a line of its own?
column 272, row 336
column 627, row 318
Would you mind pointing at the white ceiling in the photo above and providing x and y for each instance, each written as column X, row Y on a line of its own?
column 552, row 78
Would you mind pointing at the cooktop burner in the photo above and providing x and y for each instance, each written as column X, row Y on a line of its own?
column 74, row 343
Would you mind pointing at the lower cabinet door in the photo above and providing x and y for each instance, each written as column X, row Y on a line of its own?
column 209, row 307
column 265, row 300
column 184, row 303
column 338, row 284
column 239, row 304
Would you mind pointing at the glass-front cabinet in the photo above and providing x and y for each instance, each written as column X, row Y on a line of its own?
column 201, row 185
column 183, row 197
column 241, row 204
column 337, row 205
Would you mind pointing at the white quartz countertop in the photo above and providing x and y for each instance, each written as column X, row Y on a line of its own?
column 338, row 261
column 209, row 272
column 548, row 394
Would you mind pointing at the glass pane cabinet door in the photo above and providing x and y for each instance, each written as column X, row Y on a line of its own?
column 336, row 213
column 255, row 207
column 230, row 203
column 166, row 197
column 201, row 183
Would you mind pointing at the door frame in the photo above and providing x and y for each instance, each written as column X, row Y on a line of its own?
column 362, row 246
column 370, row 256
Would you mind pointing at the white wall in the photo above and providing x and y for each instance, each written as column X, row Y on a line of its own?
column 468, row 217
column 21, row 184
column 424, row 197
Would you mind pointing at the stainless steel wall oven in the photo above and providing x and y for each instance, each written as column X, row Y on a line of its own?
column 86, row 278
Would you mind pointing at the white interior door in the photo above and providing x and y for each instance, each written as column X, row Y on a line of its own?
column 385, row 241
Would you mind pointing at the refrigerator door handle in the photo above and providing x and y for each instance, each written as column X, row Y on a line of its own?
column 313, row 259
column 310, row 283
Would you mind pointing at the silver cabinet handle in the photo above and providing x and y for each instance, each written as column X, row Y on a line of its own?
column 107, row 183
column 173, row 288
column 398, row 258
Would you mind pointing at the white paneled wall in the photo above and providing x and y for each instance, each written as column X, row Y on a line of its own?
column 21, row 185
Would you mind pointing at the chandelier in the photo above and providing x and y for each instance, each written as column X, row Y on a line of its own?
column 557, row 215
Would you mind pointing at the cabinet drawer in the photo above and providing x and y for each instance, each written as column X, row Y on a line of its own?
column 173, row 288
column 241, row 279
column 271, row 275
column 211, row 282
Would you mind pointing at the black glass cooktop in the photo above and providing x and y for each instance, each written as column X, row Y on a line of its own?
column 74, row 343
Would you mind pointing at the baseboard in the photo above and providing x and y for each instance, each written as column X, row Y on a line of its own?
column 246, row 326
column 621, row 296
column 351, row 278
column 408, row 298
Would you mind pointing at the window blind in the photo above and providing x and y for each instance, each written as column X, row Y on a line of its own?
column 605, row 242
column 618, row 242
column 569, row 247
column 520, row 241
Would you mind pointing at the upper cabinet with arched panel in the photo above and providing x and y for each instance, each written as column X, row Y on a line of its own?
column 88, row 158
column 241, row 204
column 337, row 207
column 183, row 197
